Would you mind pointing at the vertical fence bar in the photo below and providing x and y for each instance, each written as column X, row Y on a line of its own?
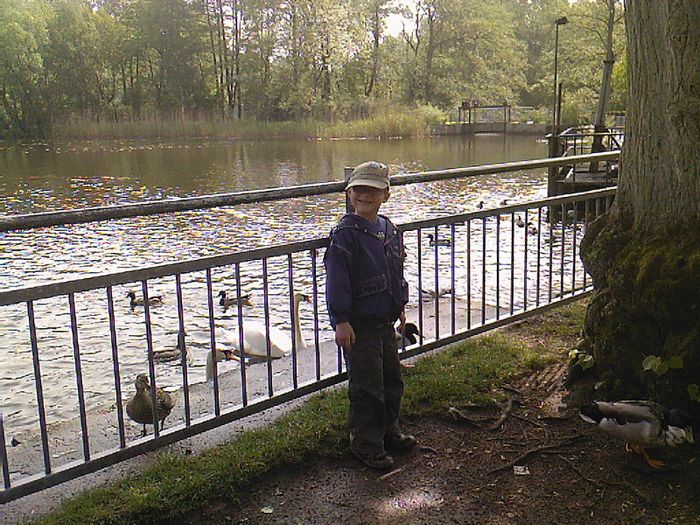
column 498, row 267
column 182, row 343
column 292, row 316
column 551, row 255
column 241, row 337
column 420, row 286
column 314, row 288
column 539, row 255
column 483, row 271
column 79, row 377
column 563, row 249
column 266, row 313
column 453, row 289
column 115, row 367
column 469, row 274
column 585, row 222
column 212, row 342
column 436, row 283
column 3, row 454
column 151, row 361
column 512, row 263
column 39, row 388
column 573, row 248
column 525, row 243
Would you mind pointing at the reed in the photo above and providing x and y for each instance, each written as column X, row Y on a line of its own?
column 391, row 122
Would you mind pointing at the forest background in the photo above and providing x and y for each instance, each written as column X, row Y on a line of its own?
column 119, row 68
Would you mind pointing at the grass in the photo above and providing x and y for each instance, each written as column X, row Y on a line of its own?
column 384, row 123
column 466, row 372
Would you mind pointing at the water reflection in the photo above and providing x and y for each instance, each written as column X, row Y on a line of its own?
column 48, row 177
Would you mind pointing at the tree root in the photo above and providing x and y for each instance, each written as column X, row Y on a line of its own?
column 567, row 441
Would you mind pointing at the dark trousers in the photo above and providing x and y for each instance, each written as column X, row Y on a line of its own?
column 375, row 387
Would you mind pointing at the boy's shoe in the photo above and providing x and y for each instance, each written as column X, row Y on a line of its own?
column 381, row 461
column 400, row 441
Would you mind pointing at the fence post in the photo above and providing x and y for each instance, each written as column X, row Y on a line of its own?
column 347, row 171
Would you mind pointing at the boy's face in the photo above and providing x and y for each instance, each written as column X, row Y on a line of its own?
column 367, row 200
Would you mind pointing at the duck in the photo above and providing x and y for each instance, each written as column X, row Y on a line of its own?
column 407, row 336
column 520, row 222
column 163, row 355
column 641, row 424
column 255, row 338
column 139, row 407
column 438, row 242
column 221, row 355
column 531, row 229
column 504, row 202
column 155, row 300
column 233, row 301
column 480, row 205
column 431, row 295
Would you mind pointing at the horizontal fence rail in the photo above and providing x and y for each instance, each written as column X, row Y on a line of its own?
column 102, row 213
column 209, row 358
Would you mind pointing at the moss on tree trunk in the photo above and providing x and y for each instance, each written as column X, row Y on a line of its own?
column 646, row 303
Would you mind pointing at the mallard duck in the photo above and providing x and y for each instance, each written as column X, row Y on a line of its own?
column 480, row 205
column 408, row 335
column 438, row 242
column 233, row 301
column 155, row 300
column 641, row 424
column 531, row 229
column 139, row 407
column 520, row 223
column 255, row 336
column 171, row 354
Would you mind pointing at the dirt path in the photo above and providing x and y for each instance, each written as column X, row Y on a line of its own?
column 541, row 465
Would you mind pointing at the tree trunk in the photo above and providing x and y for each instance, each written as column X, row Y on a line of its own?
column 644, row 256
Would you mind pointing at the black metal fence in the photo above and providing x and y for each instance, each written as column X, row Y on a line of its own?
column 468, row 273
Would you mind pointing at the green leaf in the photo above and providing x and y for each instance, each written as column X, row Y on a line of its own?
column 694, row 392
column 675, row 362
column 651, row 362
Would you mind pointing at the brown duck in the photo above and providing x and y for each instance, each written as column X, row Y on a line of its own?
column 139, row 406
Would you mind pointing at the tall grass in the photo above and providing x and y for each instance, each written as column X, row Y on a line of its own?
column 385, row 123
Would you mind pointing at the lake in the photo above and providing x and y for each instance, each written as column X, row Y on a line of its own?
column 43, row 177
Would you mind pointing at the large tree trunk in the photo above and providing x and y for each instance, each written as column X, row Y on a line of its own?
column 644, row 256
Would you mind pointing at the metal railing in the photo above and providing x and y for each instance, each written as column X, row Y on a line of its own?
column 480, row 270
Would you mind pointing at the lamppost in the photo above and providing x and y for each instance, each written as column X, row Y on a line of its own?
column 558, row 22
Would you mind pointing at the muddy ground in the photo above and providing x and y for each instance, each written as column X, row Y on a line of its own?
column 533, row 462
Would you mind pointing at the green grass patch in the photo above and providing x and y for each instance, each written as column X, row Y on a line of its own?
column 464, row 373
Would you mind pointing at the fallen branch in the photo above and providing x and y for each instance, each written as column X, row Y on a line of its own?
column 523, row 418
column 389, row 474
column 504, row 414
column 578, row 471
column 527, row 453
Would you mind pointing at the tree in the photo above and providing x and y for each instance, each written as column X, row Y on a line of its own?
column 643, row 323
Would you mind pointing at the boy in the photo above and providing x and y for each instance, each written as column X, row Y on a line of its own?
column 366, row 294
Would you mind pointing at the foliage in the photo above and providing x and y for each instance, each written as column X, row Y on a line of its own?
column 271, row 60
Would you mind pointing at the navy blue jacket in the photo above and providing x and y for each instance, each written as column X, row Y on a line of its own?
column 364, row 272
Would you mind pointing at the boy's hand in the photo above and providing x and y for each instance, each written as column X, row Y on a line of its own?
column 402, row 321
column 344, row 335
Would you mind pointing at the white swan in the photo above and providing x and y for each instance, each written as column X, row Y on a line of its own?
column 255, row 339
column 221, row 355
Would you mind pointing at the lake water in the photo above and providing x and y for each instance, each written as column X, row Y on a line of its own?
column 43, row 177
